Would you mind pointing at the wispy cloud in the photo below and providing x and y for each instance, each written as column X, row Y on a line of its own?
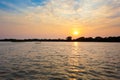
column 60, row 13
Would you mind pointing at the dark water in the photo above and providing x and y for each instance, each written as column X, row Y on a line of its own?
column 59, row 61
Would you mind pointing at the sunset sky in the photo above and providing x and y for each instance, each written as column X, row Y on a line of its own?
column 59, row 18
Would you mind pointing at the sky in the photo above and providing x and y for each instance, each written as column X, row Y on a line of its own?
column 59, row 18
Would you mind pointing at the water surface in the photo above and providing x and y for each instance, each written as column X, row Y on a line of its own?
column 59, row 61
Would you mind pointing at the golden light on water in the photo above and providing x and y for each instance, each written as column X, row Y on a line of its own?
column 75, row 44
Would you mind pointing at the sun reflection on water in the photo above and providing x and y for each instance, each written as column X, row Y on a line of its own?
column 73, row 61
column 75, row 44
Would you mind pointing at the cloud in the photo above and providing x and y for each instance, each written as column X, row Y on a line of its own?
column 76, row 11
column 61, row 13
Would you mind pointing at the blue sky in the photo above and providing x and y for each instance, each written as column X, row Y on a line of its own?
column 7, row 4
column 44, row 18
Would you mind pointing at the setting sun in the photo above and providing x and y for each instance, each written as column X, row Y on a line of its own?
column 75, row 32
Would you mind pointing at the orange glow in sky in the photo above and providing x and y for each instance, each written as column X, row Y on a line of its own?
column 48, row 19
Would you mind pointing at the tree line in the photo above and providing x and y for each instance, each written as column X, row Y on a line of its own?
column 69, row 39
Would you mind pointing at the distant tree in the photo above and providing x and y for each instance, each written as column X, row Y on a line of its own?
column 98, row 38
column 89, row 39
column 69, row 38
column 80, row 39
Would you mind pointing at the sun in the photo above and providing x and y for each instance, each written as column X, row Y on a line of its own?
column 75, row 32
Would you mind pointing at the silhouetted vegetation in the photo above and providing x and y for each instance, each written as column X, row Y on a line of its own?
column 99, row 39
column 68, row 39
